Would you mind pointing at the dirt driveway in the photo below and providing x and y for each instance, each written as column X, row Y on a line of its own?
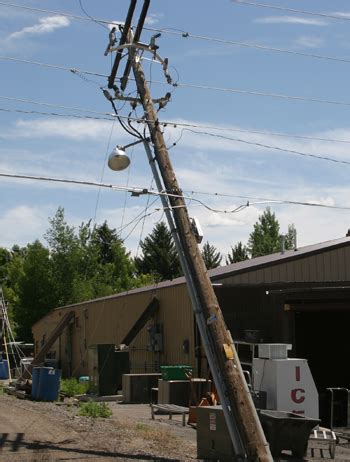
column 47, row 432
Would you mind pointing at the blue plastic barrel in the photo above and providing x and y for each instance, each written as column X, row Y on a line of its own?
column 35, row 382
column 49, row 384
column 4, row 369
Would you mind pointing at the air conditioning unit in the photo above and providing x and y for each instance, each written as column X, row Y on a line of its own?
column 273, row 350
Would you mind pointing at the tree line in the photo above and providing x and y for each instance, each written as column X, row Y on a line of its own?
column 78, row 264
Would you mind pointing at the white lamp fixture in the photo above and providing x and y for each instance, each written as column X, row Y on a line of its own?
column 118, row 160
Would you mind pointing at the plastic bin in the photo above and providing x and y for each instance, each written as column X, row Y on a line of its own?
column 49, row 384
column 286, row 431
column 175, row 372
column 4, row 369
column 35, row 382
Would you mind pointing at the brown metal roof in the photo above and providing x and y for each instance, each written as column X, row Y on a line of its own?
column 236, row 268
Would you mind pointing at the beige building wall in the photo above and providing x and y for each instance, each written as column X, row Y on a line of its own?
column 108, row 320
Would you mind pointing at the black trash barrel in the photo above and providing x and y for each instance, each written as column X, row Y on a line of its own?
column 286, row 431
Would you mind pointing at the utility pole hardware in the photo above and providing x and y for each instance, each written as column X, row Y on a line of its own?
column 243, row 424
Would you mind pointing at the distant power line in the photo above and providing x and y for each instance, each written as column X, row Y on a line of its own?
column 239, row 91
column 187, row 34
column 338, row 17
column 268, row 146
column 152, row 192
column 54, row 114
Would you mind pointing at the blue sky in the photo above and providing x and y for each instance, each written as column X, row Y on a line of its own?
column 74, row 148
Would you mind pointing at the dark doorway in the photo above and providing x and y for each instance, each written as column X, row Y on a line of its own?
column 323, row 338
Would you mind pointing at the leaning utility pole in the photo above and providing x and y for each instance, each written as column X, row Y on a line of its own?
column 242, row 421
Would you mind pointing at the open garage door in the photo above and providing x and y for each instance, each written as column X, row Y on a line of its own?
column 323, row 337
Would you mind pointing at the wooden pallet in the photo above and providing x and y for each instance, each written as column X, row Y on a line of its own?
column 325, row 436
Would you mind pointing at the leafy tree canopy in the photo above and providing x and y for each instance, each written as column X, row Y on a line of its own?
column 265, row 237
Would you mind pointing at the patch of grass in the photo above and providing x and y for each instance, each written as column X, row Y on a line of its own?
column 142, row 427
column 93, row 409
column 72, row 387
column 2, row 390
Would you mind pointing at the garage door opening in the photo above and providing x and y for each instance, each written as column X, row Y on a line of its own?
column 323, row 338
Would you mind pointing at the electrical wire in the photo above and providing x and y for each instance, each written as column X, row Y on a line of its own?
column 133, row 190
column 179, row 124
column 262, row 145
column 197, row 86
column 338, row 17
column 40, row 103
column 103, row 171
column 186, row 34
column 268, row 146
column 139, row 191
column 73, row 70
column 265, row 94
column 127, row 184
column 89, row 16
column 54, row 114
column 269, row 200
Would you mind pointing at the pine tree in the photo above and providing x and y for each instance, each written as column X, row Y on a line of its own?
column 159, row 257
column 237, row 253
column 211, row 256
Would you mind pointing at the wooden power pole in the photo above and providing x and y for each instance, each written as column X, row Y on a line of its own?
column 242, row 421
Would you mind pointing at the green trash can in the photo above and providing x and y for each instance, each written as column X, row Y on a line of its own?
column 175, row 372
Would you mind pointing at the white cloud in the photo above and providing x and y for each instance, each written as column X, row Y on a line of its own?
column 153, row 18
column 308, row 42
column 63, row 128
column 341, row 14
column 291, row 20
column 44, row 26
column 22, row 224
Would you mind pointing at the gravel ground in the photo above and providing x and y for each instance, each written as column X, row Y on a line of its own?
column 47, row 432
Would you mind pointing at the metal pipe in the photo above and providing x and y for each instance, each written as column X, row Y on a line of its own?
column 232, row 427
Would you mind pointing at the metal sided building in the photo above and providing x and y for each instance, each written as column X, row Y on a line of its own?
column 301, row 297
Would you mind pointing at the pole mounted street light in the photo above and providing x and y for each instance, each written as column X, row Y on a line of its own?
column 118, row 160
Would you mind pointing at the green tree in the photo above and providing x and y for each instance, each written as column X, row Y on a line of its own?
column 65, row 252
column 290, row 237
column 114, row 270
column 159, row 257
column 34, row 288
column 211, row 256
column 5, row 258
column 237, row 253
column 265, row 237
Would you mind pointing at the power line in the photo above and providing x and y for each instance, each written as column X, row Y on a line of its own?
column 186, row 34
column 228, row 129
column 338, row 17
column 73, row 70
column 269, row 200
column 59, row 13
column 54, row 114
column 268, row 146
column 78, row 71
column 152, row 192
column 265, row 94
column 40, row 103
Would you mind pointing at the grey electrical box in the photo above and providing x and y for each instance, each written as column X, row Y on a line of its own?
column 213, row 439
